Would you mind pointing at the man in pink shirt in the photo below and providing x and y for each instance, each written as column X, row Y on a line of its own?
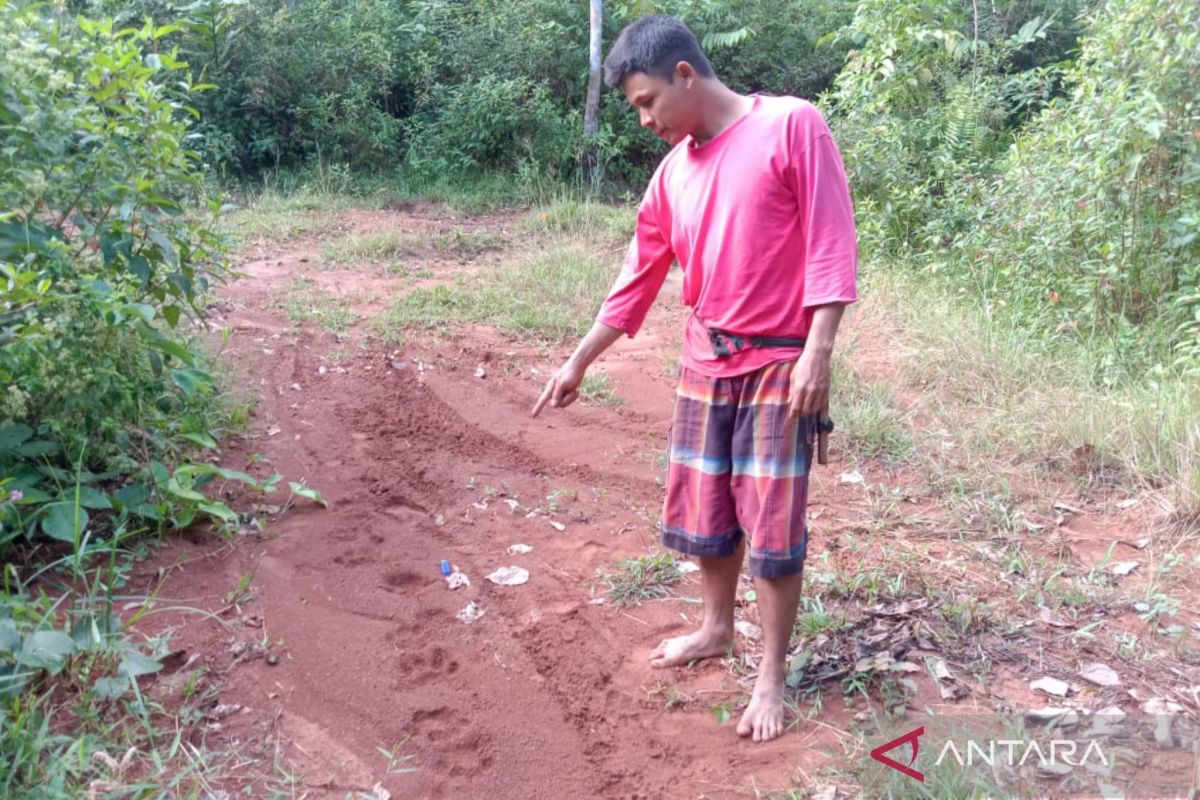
column 752, row 201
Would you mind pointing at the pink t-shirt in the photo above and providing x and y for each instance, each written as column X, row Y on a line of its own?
column 761, row 222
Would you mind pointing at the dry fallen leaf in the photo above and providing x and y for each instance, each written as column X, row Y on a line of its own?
column 1100, row 674
column 1050, row 618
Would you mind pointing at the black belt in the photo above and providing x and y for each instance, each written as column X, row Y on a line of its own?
column 722, row 340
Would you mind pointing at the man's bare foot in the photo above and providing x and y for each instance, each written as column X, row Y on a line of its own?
column 682, row 650
column 763, row 718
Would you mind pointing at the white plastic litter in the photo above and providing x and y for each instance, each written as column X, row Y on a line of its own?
column 470, row 613
column 852, row 477
column 519, row 549
column 457, row 579
column 509, row 576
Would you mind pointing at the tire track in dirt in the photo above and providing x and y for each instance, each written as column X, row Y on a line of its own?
column 547, row 694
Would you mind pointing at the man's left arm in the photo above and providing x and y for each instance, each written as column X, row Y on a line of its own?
column 830, row 254
column 809, row 390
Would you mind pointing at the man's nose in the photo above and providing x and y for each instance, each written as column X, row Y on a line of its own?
column 646, row 120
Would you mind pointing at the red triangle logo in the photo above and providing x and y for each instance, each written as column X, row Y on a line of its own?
column 911, row 737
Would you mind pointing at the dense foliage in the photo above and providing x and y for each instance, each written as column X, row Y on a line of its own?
column 105, row 255
column 1058, row 183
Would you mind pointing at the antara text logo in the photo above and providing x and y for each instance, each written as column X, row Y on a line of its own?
column 1005, row 752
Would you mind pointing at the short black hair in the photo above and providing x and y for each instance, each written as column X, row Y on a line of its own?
column 654, row 45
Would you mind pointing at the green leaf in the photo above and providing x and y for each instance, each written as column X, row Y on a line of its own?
column 111, row 688
column 58, row 521
column 183, row 493
column 195, row 470
column 148, row 511
column 172, row 349
column 133, row 495
column 220, row 511
column 91, row 497
column 721, row 713
column 12, row 436
column 193, row 380
column 143, row 310
column 201, row 440
column 159, row 473
column 37, row 449
column 10, row 640
column 135, row 663
column 46, row 650
column 307, row 491
column 171, row 315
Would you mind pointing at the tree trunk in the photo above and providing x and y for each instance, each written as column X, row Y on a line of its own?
column 591, row 112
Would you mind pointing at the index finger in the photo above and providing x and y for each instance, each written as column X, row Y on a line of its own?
column 546, row 393
column 796, row 401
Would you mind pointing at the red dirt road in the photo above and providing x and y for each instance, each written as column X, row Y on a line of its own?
column 346, row 640
column 549, row 694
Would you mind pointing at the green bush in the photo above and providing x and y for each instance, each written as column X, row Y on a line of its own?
column 1093, row 222
column 496, row 123
column 106, row 251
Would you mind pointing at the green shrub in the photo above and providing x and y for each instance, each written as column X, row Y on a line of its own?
column 104, row 258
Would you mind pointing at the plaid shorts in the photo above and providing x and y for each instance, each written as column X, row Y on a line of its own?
column 739, row 466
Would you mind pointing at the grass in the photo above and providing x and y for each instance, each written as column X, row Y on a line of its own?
column 1003, row 393
column 396, row 245
column 635, row 580
column 567, row 216
column 302, row 301
column 272, row 216
column 868, row 423
column 552, row 294
column 598, row 389
column 77, row 718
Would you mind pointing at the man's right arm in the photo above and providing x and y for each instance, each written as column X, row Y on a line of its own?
column 563, row 387
column 647, row 263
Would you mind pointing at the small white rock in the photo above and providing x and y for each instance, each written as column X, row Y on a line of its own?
column 1051, row 686
column 748, row 629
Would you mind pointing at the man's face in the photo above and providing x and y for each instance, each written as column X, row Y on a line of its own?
column 665, row 107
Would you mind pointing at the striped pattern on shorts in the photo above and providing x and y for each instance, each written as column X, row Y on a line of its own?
column 738, row 466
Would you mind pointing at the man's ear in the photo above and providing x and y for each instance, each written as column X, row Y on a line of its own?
column 686, row 74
